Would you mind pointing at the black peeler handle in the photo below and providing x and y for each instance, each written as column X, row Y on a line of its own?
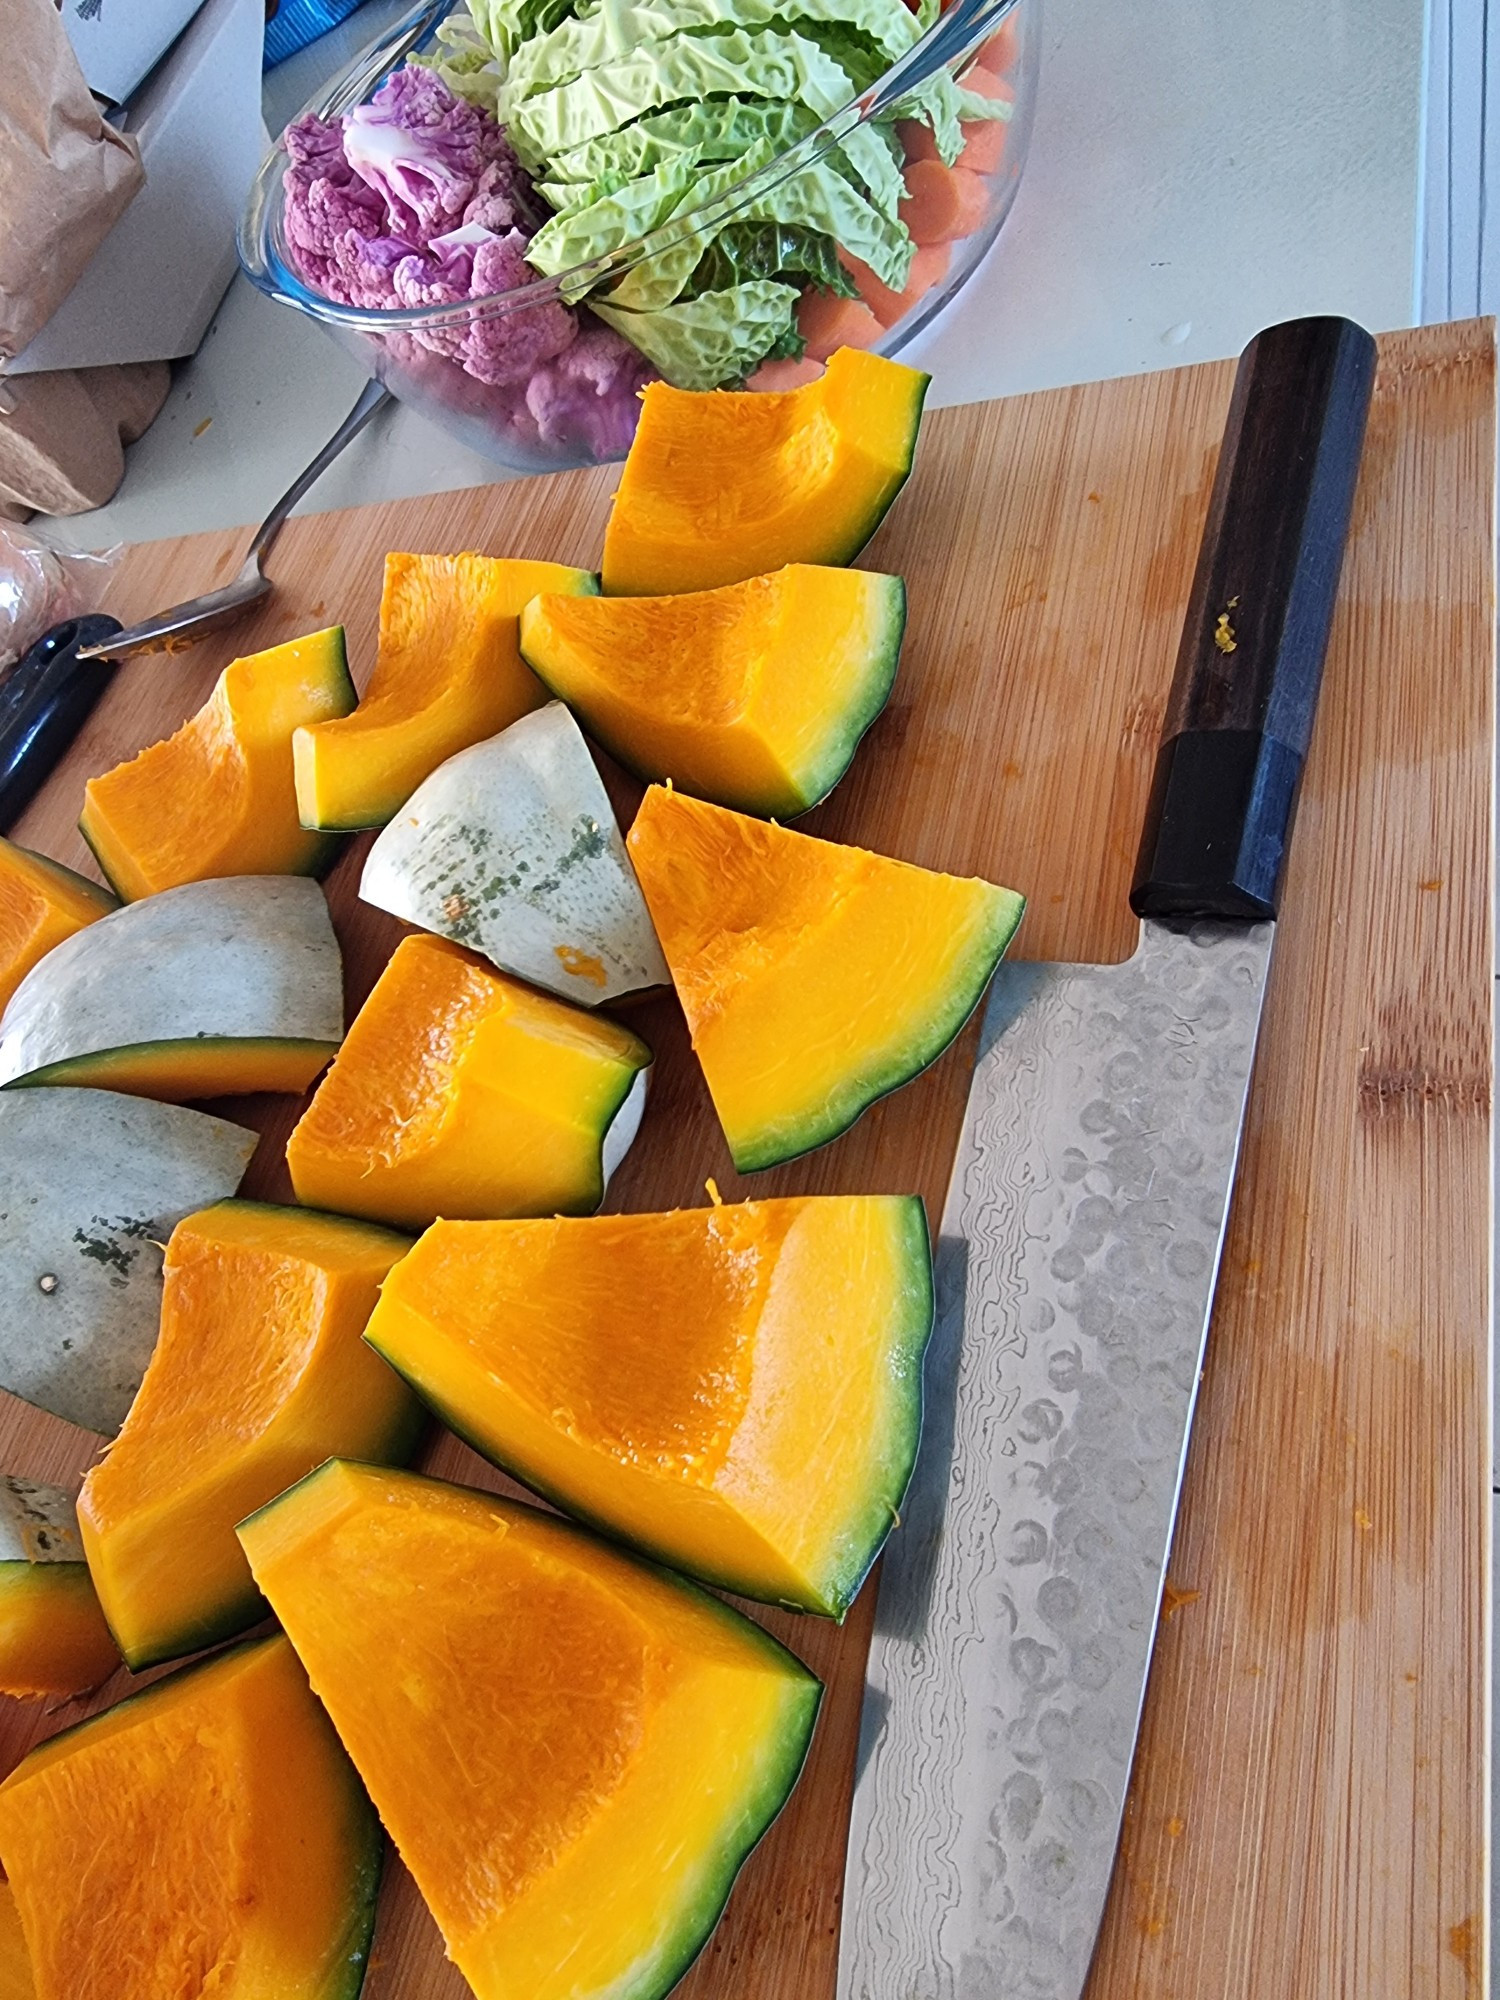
column 1251, row 660
column 45, row 700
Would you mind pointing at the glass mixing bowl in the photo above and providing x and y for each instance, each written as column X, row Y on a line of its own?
column 423, row 352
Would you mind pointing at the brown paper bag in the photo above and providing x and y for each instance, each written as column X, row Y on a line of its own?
column 61, row 441
column 66, row 175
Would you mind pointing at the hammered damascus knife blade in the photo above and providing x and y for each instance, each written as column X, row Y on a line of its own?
column 1077, row 1258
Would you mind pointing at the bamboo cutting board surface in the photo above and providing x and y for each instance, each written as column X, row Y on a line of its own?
column 1310, row 1799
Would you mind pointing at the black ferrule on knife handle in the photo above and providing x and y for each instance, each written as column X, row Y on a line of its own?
column 45, row 699
column 1240, row 714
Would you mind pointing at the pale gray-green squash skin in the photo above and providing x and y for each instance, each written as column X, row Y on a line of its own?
column 92, row 1183
column 239, row 957
column 512, row 849
column 38, row 1524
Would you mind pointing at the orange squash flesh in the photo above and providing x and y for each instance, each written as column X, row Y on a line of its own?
column 218, row 798
column 755, row 695
column 460, row 1092
column 725, row 485
column 206, row 1836
column 53, row 1637
column 447, row 674
column 815, row 978
column 16, row 1982
column 259, row 1374
column 735, row 1390
column 572, row 1752
column 41, row 903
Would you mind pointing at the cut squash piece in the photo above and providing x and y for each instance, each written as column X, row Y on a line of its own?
column 572, row 1752
column 512, row 848
column 726, row 485
column 447, row 674
column 217, row 798
column 755, row 695
column 736, row 1390
column 815, row 978
column 259, row 1374
column 16, row 1982
column 210, row 990
column 53, row 1638
column 460, row 1092
column 91, row 1184
column 41, row 903
column 206, row 1836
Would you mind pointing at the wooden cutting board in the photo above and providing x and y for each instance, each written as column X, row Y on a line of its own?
column 1310, row 1801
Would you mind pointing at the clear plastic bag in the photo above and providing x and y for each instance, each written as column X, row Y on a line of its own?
column 40, row 584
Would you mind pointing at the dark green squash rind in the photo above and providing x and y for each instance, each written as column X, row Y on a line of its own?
column 93, row 1069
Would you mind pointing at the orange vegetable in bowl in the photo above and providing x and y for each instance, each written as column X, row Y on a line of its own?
column 942, row 203
column 928, row 268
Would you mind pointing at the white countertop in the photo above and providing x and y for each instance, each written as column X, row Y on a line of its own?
column 1199, row 169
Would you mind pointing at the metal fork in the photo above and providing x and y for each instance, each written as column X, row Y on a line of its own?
column 184, row 623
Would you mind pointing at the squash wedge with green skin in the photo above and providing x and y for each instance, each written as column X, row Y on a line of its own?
column 576, row 1751
column 461, row 1092
column 259, row 1374
column 218, row 797
column 206, row 1835
column 754, row 695
column 210, row 990
column 724, row 485
column 53, row 1637
column 815, row 978
column 447, row 674
column 41, row 903
column 511, row 848
column 736, row 1391
column 91, row 1185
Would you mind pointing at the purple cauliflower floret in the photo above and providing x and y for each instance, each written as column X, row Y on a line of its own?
column 503, row 198
column 591, row 394
column 416, row 200
column 505, row 348
column 423, row 150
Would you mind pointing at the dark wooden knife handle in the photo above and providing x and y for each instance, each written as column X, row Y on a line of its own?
column 45, row 700
column 1250, row 664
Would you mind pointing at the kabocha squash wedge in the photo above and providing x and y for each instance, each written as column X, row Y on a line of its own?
column 258, row 1375
column 209, row 990
column 447, row 674
column 754, row 695
column 206, row 1836
column 511, row 847
column 573, row 1752
column 460, row 1092
column 735, row 1390
column 91, row 1184
column 217, row 798
column 41, row 903
column 815, row 978
column 53, row 1638
column 726, row 485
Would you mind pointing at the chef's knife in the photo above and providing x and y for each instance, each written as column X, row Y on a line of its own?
column 1076, row 1265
